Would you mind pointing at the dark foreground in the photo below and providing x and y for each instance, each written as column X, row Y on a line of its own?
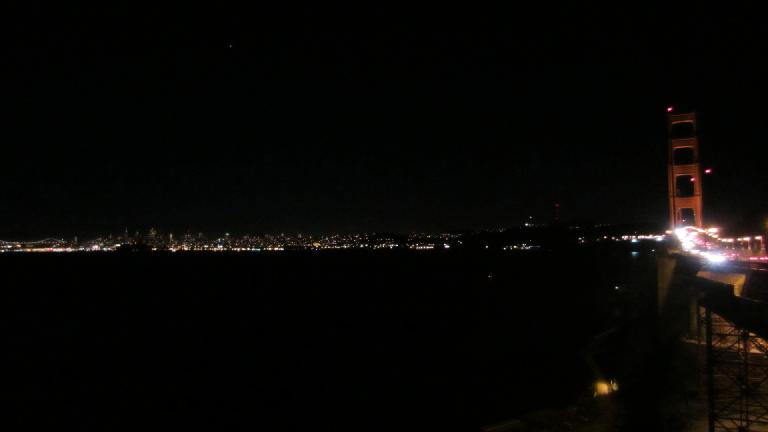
column 304, row 341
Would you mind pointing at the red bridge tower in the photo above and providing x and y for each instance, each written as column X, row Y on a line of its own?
column 684, row 171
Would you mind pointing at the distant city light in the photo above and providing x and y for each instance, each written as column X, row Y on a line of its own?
column 693, row 179
column 670, row 109
column 703, row 243
column 708, row 171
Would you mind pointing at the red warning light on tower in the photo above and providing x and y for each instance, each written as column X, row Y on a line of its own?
column 708, row 171
column 670, row 109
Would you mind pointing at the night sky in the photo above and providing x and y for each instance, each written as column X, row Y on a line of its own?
column 324, row 118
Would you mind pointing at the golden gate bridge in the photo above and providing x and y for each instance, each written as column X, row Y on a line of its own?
column 724, row 281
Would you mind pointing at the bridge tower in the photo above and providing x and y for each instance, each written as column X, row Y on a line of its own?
column 685, row 205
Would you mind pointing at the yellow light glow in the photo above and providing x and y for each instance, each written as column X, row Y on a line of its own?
column 603, row 388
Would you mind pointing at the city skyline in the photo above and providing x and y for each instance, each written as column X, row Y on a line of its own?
column 529, row 236
column 529, row 223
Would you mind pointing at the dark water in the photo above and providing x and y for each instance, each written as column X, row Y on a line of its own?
column 301, row 341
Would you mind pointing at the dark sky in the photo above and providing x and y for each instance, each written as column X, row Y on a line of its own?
column 338, row 119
